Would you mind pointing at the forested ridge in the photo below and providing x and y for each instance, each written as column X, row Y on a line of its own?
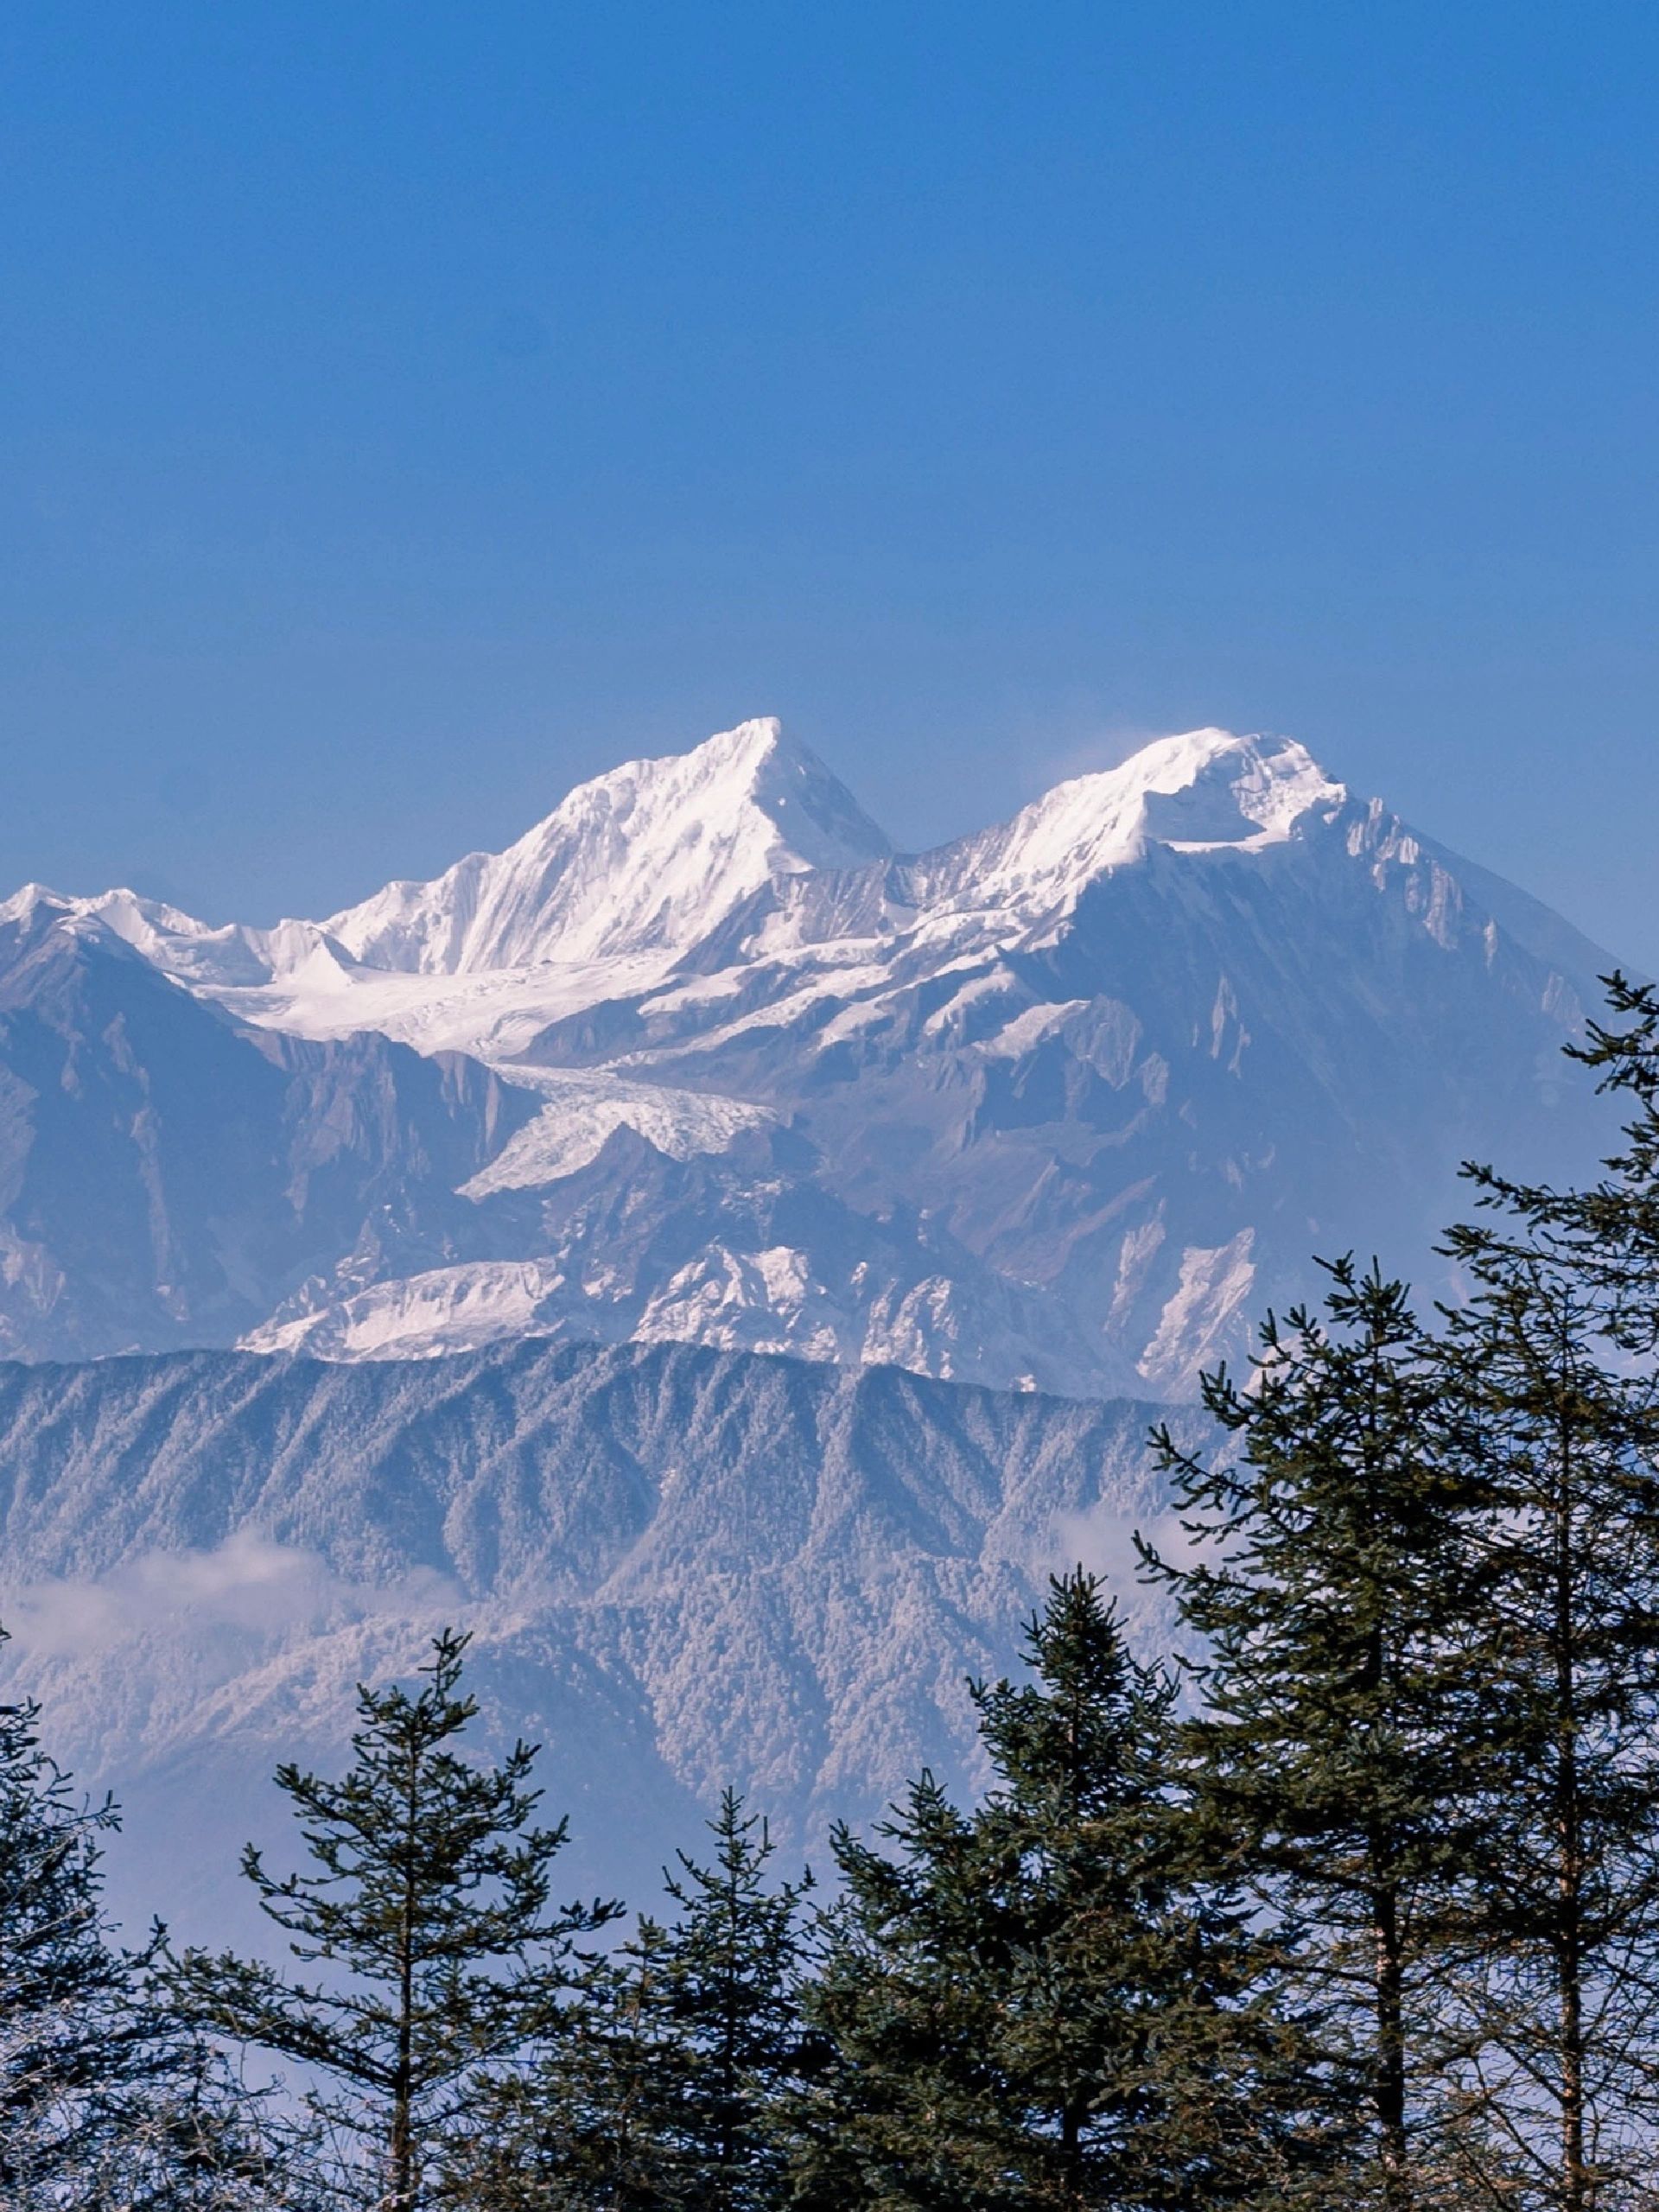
column 1357, row 1905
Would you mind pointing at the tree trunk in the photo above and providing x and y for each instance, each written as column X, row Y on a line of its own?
column 403, row 2094
column 1390, row 2080
column 1569, row 1950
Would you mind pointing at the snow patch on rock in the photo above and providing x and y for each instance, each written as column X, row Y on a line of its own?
column 584, row 1111
column 1213, row 1291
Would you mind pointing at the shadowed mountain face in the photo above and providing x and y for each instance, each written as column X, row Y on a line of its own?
column 163, row 1168
column 682, row 1568
column 1061, row 1106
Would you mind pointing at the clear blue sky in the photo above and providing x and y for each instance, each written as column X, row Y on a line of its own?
column 407, row 410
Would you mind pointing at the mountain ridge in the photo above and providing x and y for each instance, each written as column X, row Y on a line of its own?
column 1057, row 1105
column 683, row 1567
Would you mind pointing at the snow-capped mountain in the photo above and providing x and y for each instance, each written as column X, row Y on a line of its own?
column 645, row 860
column 1059, row 1105
column 619, row 881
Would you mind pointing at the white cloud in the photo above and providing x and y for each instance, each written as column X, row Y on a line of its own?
column 248, row 1584
column 1101, row 1540
column 1061, row 743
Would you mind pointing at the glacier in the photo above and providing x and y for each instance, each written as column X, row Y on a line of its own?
column 1058, row 1106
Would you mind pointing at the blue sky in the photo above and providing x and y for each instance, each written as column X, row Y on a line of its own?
column 407, row 410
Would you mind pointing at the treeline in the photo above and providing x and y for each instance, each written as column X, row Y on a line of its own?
column 1357, row 1905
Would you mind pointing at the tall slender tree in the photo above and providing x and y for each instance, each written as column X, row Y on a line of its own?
column 1339, row 1739
column 428, row 1908
column 64, row 1989
column 1563, row 1922
column 664, row 2086
column 593, row 2124
column 731, row 1956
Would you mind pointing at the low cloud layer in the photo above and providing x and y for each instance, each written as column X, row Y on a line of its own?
column 1101, row 1540
column 248, row 1584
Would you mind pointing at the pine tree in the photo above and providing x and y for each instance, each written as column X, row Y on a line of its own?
column 194, row 2139
column 1043, row 2003
column 593, row 2126
column 428, row 1908
column 1564, row 1920
column 64, row 1989
column 731, row 1957
column 107, row 2098
column 1340, row 1740
column 664, row 2086
column 1605, row 1237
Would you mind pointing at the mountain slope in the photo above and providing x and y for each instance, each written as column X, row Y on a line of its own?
column 1149, row 1046
column 683, row 1568
column 163, row 1169
column 647, row 859
column 1061, row 1104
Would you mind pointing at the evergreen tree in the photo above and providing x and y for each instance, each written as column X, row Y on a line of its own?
column 1563, row 1930
column 195, row 2139
column 732, row 1957
column 593, row 2126
column 105, row 2098
column 663, row 2088
column 1043, row 2003
column 428, row 1908
column 1339, row 1742
column 1605, row 1237
column 64, row 1989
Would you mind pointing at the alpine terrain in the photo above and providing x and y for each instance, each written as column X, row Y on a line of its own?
column 681, row 1567
column 809, row 1232
column 701, row 1060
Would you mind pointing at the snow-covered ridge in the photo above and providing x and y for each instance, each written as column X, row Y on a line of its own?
column 647, row 858
column 638, row 865
column 1059, row 1103
column 625, row 874
column 1204, row 789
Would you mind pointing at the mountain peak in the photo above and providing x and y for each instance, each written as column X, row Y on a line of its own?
column 1195, row 792
column 644, row 859
column 30, row 900
column 761, row 764
column 1210, row 787
column 746, row 745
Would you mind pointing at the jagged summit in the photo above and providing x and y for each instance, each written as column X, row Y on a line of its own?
column 645, row 858
column 1210, row 787
column 635, row 864
column 1194, row 791
column 649, row 858
column 1063, row 1102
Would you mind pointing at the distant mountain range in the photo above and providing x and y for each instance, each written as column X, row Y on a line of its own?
column 698, row 1073
column 682, row 1568
column 1059, row 1106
